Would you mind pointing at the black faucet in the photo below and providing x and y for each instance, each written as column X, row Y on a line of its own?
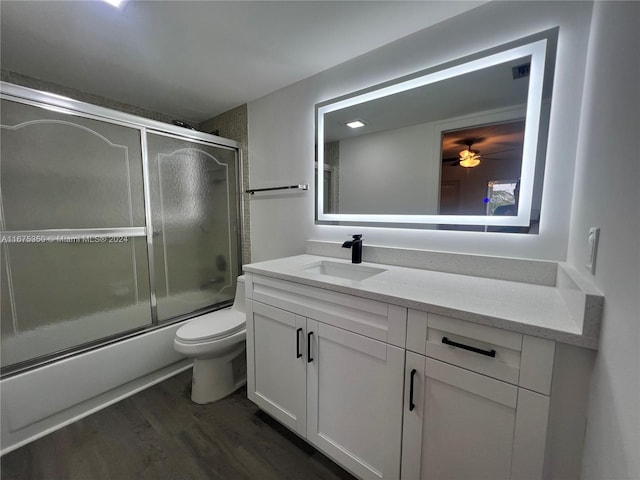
column 356, row 248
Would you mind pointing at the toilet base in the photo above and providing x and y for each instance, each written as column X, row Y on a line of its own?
column 214, row 378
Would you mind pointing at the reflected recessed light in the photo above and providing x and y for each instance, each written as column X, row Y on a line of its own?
column 356, row 124
column 114, row 3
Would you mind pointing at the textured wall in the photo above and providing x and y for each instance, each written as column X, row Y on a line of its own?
column 233, row 124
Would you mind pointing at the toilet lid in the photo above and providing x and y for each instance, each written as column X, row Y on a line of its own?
column 210, row 326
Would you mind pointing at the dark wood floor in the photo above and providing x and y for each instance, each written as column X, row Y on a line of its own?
column 160, row 434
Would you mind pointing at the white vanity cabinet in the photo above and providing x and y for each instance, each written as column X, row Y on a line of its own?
column 323, row 364
column 370, row 374
column 467, row 412
column 277, row 372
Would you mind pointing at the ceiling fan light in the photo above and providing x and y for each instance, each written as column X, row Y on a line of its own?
column 469, row 158
column 469, row 162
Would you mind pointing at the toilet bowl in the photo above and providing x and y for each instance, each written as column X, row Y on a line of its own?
column 216, row 342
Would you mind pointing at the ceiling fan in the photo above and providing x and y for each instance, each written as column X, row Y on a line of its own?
column 469, row 157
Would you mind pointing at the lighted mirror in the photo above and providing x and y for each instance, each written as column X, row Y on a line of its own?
column 459, row 147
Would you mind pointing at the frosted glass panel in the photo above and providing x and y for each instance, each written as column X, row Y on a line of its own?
column 66, row 286
column 65, row 171
column 67, row 294
column 194, row 216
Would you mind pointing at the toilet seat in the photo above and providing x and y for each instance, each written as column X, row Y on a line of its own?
column 212, row 326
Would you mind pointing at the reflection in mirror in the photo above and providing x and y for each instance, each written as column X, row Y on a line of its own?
column 439, row 149
column 481, row 173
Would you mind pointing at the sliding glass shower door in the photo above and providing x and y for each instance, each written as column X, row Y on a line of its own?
column 194, row 214
column 107, row 229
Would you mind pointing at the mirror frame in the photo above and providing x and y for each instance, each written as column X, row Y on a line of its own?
column 538, row 52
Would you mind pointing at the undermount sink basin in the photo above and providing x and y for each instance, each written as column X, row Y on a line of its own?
column 348, row 271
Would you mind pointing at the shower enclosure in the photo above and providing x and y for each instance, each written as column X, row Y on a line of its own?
column 111, row 226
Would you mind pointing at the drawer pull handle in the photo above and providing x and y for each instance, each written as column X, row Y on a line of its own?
column 488, row 353
column 411, row 404
column 309, row 358
column 298, row 354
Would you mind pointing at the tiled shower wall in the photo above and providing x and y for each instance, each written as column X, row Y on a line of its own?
column 232, row 125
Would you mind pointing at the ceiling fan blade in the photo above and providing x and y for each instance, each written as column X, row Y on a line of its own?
column 501, row 151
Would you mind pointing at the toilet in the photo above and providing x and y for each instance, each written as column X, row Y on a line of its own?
column 217, row 343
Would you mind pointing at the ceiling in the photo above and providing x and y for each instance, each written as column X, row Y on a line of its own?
column 195, row 59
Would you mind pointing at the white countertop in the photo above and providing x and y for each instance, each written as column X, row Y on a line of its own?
column 531, row 309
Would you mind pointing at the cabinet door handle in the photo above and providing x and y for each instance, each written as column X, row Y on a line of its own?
column 298, row 354
column 411, row 404
column 309, row 358
column 488, row 353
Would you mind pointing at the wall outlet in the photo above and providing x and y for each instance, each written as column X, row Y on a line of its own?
column 592, row 250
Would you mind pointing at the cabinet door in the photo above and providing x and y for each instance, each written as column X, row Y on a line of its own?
column 354, row 400
column 464, row 425
column 276, row 363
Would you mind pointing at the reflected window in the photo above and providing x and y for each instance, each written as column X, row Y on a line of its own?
column 502, row 197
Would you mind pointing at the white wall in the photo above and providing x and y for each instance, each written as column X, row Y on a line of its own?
column 606, row 196
column 280, row 154
column 281, row 133
column 390, row 172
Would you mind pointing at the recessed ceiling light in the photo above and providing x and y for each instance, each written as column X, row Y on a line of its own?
column 356, row 124
column 114, row 3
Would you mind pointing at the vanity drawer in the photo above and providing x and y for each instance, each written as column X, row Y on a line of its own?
column 505, row 355
column 374, row 319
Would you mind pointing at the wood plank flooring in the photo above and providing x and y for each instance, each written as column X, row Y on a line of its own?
column 160, row 434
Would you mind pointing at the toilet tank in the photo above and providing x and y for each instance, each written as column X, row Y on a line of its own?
column 238, row 302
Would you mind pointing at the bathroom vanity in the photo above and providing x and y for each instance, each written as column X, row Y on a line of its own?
column 398, row 372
